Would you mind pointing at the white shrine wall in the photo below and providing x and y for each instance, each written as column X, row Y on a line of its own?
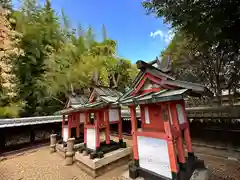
column 146, row 114
column 153, row 155
column 81, row 118
column 113, row 115
column 65, row 133
column 91, row 138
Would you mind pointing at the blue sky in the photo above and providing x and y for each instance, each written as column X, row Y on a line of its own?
column 139, row 36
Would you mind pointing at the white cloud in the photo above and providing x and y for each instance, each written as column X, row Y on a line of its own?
column 165, row 36
column 157, row 33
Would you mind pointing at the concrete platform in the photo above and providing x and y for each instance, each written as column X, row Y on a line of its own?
column 96, row 167
column 62, row 150
column 198, row 174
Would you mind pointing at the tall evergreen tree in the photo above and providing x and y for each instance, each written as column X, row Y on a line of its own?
column 40, row 37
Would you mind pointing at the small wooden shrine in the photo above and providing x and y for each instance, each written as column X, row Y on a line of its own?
column 101, row 111
column 158, row 146
column 73, row 120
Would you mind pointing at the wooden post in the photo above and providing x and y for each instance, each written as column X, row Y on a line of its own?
column 120, row 126
column 77, row 119
column 85, row 127
column 176, row 126
column 107, row 129
column 63, row 123
column 96, row 126
column 69, row 125
column 187, row 135
column 171, row 148
column 134, row 129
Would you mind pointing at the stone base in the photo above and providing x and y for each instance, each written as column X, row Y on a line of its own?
column 103, row 149
column 201, row 174
column 96, row 167
column 186, row 170
column 77, row 141
column 62, row 150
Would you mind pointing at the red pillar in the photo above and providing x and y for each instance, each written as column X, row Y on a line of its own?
column 172, row 156
column 120, row 125
column 170, row 142
column 85, row 126
column 96, row 126
column 107, row 129
column 134, row 129
column 77, row 119
column 69, row 125
column 63, row 122
column 187, row 135
column 175, row 124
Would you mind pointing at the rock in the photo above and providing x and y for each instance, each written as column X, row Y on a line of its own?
column 3, row 159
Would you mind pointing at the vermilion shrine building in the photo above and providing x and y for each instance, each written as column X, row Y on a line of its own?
column 73, row 120
column 158, row 146
column 101, row 111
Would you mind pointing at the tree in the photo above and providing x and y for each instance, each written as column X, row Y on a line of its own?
column 209, row 22
column 10, row 106
column 41, row 36
column 57, row 58
column 82, row 61
column 212, row 26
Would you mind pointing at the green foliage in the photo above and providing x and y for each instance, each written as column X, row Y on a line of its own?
column 185, row 58
column 209, row 33
column 208, row 22
column 41, row 35
column 82, row 58
column 11, row 110
column 56, row 58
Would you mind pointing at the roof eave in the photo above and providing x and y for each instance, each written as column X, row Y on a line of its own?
column 153, row 100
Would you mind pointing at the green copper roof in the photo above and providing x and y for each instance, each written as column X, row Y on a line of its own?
column 154, row 97
column 84, row 107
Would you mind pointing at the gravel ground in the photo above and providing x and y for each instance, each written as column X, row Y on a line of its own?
column 41, row 165
column 221, row 169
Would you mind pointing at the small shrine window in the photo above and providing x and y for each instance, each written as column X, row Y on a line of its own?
column 180, row 113
column 164, row 113
column 92, row 117
column 146, row 112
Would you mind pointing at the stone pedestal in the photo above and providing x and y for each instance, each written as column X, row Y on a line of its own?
column 70, row 151
column 99, row 166
column 53, row 142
